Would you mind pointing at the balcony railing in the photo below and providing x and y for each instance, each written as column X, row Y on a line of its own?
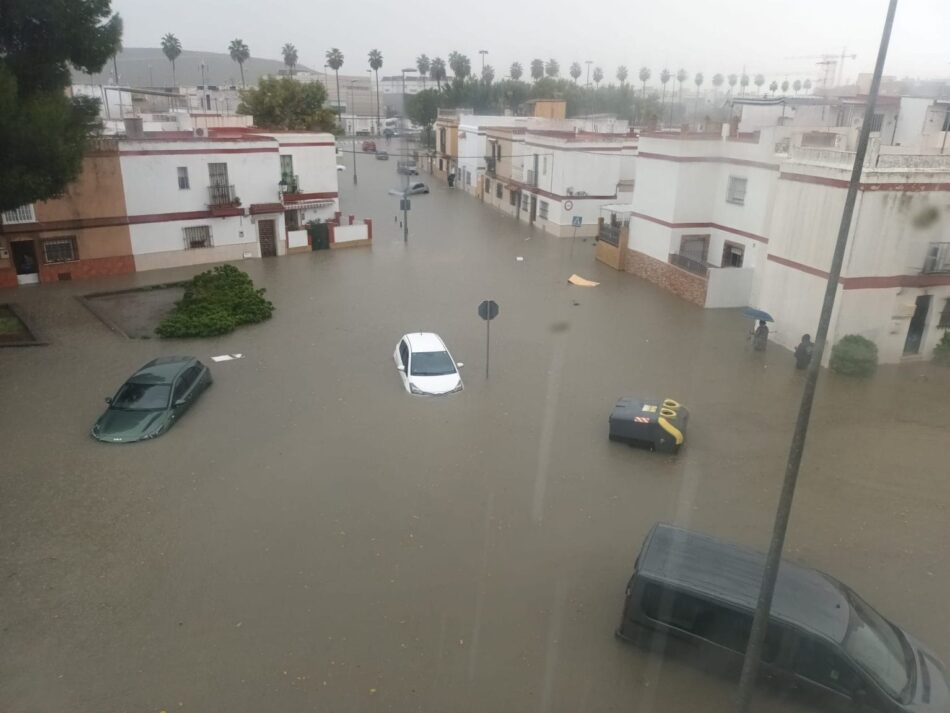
column 609, row 234
column 938, row 258
column 221, row 195
column 688, row 264
column 290, row 184
column 490, row 165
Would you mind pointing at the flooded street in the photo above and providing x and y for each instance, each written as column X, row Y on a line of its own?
column 312, row 538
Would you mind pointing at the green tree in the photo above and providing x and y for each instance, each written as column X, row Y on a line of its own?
column 43, row 132
column 598, row 75
column 552, row 68
column 622, row 75
column 664, row 78
column 461, row 68
column 773, row 87
column 515, row 71
column 376, row 63
column 681, row 76
column 575, row 71
column 644, row 78
column 282, row 103
column 437, row 71
column 785, row 87
column 335, row 61
column 423, row 109
column 290, row 57
column 717, row 81
column 797, row 85
column 759, row 81
column 488, row 74
column 171, row 48
column 744, row 82
column 698, row 81
column 807, row 85
column 537, row 69
column 423, row 64
column 732, row 79
column 240, row 53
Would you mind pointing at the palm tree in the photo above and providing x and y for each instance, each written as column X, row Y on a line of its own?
column 759, row 81
column 437, row 71
column 516, row 71
column 537, row 69
column 598, row 75
column 171, row 47
column 797, row 85
column 664, row 78
column 335, row 61
column 807, row 85
column 290, row 57
column 732, row 79
column 644, row 77
column 575, row 71
column 461, row 67
column 785, row 87
column 423, row 65
column 773, row 87
column 744, row 82
column 552, row 68
column 376, row 63
column 488, row 74
column 239, row 53
column 717, row 80
column 698, row 81
column 681, row 76
column 621, row 74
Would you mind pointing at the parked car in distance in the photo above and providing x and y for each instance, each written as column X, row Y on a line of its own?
column 389, row 133
column 823, row 640
column 382, row 156
column 425, row 365
column 152, row 399
column 415, row 188
column 407, row 168
column 369, row 146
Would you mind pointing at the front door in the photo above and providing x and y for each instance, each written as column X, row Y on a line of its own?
column 268, row 238
column 24, row 261
column 534, row 209
column 915, row 332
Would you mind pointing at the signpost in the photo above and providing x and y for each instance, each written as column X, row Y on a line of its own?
column 488, row 310
column 576, row 221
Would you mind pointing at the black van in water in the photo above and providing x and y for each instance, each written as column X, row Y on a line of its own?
column 822, row 640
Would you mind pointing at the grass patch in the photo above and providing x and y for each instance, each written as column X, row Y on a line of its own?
column 216, row 302
column 9, row 324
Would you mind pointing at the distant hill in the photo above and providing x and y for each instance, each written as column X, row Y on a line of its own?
column 220, row 69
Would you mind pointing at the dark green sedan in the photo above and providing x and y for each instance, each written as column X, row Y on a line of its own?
column 153, row 398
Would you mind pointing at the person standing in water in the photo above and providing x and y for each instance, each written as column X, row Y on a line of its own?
column 803, row 352
column 760, row 338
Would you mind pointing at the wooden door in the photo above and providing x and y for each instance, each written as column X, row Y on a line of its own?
column 268, row 238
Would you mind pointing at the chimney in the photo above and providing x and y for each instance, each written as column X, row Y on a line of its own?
column 133, row 128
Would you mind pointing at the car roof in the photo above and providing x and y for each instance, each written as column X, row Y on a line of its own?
column 425, row 342
column 163, row 369
column 731, row 573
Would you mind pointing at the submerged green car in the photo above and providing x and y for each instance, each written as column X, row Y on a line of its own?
column 152, row 400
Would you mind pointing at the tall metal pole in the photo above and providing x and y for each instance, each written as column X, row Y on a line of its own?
column 353, row 144
column 487, row 342
column 750, row 666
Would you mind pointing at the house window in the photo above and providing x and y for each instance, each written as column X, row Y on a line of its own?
column 513, row 198
column 60, row 250
column 23, row 214
column 736, row 192
column 440, row 164
column 183, row 183
column 944, row 322
column 487, row 186
column 197, row 236
column 544, row 165
column 543, row 209
column 468, row 178
column 218, row 174
column 695, row 247
column 292, row 218
column 877, row 121
column 732, row 255
column 287, row 167
column 499, row 190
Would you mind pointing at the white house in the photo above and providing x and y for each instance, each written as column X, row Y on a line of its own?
column 223, row 197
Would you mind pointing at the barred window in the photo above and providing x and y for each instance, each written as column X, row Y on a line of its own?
column 23, row 214
column 736, row 191
column 183, row 182
column 499, row 190
column 197, row 236
column 60, row 250
column 543, row 209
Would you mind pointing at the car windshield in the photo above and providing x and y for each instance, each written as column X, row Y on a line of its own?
column 432, row 364
column 142, row 397
column 876, row 646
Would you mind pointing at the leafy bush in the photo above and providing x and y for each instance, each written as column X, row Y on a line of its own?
column 942, row 350
column 215, row 302
column 854, row 356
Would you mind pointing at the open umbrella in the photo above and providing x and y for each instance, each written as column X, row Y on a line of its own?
column 753, row 313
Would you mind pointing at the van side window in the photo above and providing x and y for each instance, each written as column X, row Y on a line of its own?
column 713, row 622
column 818, row 663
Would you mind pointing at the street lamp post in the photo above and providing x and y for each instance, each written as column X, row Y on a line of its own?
column 483, row 53
column 353, row 143
column 588, row 62
column 204, row 85
column 407, row 69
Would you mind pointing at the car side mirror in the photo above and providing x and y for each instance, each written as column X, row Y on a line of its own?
column 108, row 399
column 400, row 367
column 459, row 364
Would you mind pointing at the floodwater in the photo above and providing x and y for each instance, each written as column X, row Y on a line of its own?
column 310, row 537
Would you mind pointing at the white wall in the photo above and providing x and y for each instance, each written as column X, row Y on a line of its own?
column 296, row 238
column 350, row 233
column 315, row 166
column 729, row 286
column 169, row 236
column 911, row 120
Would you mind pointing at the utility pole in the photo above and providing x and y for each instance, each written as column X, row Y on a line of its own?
column 750, row 666
column 588, row 62
column 483, row 53
column 353, row 143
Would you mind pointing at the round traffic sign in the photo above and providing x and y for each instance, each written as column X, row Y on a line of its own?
column 568, row 205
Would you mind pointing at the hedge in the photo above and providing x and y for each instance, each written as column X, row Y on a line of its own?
column 854, row 355
column 942, row 350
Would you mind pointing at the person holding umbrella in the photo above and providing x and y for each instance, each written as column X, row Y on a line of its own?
column 760, row 334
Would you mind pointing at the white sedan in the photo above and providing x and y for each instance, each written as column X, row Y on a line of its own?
column 425, row 365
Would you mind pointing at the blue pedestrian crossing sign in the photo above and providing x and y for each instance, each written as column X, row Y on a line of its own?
column 576, row 221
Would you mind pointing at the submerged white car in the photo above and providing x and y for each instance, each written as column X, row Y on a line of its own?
column 425, row 365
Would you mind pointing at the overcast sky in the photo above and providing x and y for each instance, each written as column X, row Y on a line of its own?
column 774, row 37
